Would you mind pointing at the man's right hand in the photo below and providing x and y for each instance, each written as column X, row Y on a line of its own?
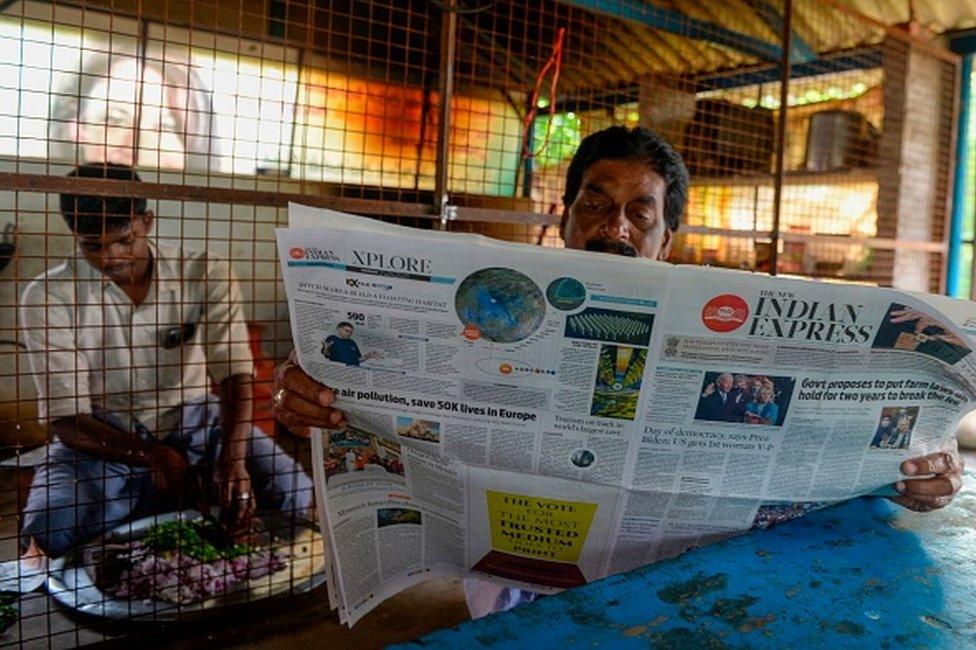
column 169, row 470
column 300, row 402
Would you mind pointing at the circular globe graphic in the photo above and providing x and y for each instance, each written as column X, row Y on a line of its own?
column 506, row 306
column 566, row 294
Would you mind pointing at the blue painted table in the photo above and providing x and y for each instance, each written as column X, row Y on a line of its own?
column 865, row 573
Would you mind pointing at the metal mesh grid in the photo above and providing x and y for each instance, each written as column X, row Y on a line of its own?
column 230, row 109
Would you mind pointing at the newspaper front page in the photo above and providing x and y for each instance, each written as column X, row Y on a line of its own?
column 544, row 418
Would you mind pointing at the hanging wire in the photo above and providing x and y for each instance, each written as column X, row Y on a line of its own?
column 553, row 63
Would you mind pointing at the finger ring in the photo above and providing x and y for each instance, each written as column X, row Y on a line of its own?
column 279, row 398
column 244, row 497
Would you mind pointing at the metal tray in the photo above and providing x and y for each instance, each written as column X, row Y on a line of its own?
column 72, row 584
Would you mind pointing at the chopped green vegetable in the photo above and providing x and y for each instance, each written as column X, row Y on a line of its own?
column 8, row 612
column 184, row 537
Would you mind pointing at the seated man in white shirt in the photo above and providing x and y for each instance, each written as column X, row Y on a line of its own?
column 125, row 340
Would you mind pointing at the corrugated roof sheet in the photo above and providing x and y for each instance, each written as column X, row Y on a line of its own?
column 937, row 15
column 615, row 42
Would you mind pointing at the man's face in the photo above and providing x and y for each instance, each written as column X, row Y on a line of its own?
column 344, row 332
column 619, row 209
column 105, row 129
column 724, row 383
column 122, row 255
column 885, row 422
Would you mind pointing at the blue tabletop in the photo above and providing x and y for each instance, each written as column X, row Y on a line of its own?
column 864, row 573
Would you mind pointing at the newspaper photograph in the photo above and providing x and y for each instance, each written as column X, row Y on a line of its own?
column 543, row 418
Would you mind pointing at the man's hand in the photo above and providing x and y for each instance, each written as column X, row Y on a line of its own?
column 168, row 470
column 942, row 478
column 233, row 486
column 232, row 483
column 301, row 402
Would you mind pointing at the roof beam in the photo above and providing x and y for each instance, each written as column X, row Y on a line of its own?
column 963, row 41
column 858, row 59
column 520, row 75
column 675, row 22
column 773, row 18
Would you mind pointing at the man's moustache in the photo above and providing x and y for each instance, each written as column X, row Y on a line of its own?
column 612, row 246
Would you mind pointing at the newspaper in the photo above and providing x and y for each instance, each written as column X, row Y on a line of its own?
column 546, row 417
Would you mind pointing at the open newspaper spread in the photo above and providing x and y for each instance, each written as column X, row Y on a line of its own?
column 545, row 417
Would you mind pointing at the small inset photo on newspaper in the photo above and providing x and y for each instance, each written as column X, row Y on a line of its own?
column 582, row 458
column 895, row 427
column 612, row 326
column 914, row 330
column 566, row 294
column 394, row 516
column 340, row 346
column 727, row 396
column 618, row 382
column 354, row 450
column 418, row 429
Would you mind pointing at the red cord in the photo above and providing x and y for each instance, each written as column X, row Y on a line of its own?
column 554, row 63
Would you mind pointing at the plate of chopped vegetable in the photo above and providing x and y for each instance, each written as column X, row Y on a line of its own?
column 8, row 610
column 169, row 566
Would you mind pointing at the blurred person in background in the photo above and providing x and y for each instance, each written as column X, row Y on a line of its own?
column 125, row 341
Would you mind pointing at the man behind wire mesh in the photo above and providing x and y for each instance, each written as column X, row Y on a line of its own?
column 126, row 340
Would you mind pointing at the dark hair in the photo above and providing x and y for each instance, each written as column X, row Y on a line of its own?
column 92, row 215
column 641, row 145
column 345, row 324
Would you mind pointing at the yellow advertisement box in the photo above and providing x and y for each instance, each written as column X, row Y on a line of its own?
column 539, row 527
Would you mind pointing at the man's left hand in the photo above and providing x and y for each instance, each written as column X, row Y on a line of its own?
column 941, row 474
column 236, row 498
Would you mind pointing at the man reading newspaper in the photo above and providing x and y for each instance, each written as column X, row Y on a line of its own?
column 626, row 192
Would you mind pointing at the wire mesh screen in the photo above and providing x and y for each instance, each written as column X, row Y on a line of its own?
column 832, row 161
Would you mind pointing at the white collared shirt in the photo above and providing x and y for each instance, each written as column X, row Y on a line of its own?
column 89, row 345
